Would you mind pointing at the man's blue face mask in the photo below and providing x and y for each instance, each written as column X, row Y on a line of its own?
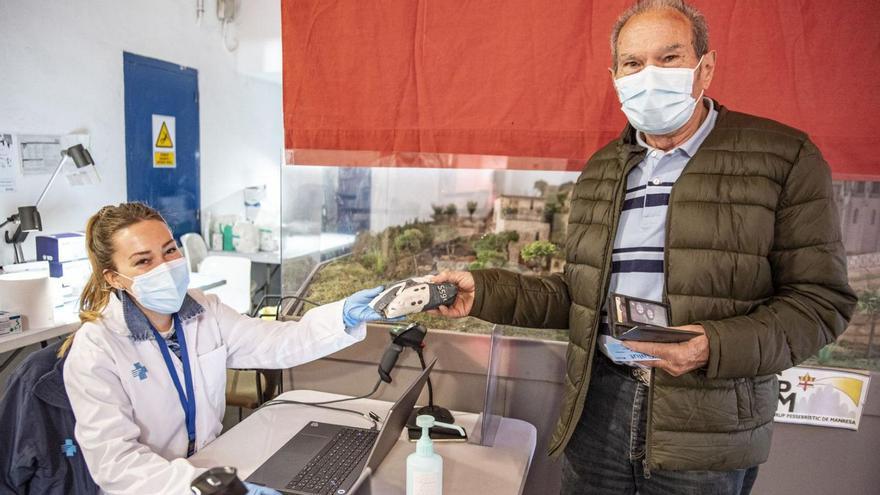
column 657, row 100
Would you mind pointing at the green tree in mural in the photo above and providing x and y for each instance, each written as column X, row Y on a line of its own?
column 491, row 259
column 550, row 210
column 471, row 209
column 541, row 187
column 496, row 242
column 869, row 304
column 491, row 249
column 451, row 211
column 539, row 253
column 438, row 215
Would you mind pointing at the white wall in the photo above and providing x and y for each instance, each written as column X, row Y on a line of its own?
column 61, row 72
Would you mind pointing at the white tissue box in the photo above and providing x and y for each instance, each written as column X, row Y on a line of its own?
column 9, row 323
column 71, row 273
column 59, row 248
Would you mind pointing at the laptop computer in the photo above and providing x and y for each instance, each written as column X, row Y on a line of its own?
column 330, row 459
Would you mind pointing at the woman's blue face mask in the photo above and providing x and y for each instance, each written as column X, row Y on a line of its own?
column 163, row 288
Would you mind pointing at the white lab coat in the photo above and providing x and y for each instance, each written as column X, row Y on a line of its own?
column 132, row 430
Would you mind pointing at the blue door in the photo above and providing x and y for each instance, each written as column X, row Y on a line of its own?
column 165, row 177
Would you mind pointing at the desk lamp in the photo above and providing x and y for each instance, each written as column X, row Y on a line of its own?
column 28, row 217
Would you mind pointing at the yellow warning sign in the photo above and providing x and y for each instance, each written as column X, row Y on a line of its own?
column 164, row 139
column 163, row 159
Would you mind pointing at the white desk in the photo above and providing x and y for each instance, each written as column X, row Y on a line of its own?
column 467, row 468
column 202, row 281
column 67, row 318
column 66, row 321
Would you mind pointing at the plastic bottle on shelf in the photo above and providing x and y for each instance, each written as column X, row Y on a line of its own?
column 227, row 238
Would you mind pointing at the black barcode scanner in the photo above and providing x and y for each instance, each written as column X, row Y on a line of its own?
column 218, row 481
column 411, row 336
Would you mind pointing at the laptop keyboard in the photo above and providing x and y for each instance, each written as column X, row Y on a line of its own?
column 330, row 467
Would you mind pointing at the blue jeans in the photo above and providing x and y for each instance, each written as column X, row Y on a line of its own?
column 606, row 454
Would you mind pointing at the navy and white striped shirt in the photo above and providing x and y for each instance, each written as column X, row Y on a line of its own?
column 171, row 341
column 637, row 258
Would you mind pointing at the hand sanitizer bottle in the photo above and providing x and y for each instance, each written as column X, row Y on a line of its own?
column 424, row 468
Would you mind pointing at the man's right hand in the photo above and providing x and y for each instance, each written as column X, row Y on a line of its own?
column 464, row 301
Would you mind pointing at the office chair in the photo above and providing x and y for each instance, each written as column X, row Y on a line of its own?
column 194, row 249
column 250, row 388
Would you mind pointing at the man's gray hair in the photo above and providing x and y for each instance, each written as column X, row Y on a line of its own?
column 699, row 27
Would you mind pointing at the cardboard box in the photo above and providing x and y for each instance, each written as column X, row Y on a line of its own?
column 59, row 248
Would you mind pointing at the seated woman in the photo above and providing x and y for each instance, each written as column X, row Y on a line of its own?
column 146, row 371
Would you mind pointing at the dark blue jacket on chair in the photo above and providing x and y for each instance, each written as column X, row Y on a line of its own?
column 38, row 452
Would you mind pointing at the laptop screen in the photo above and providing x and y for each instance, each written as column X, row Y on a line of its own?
column 396, row 419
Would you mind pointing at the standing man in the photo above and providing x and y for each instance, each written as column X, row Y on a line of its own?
column 727, row 217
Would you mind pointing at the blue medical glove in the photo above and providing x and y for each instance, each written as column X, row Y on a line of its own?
column 259, row 490
column 357, row 310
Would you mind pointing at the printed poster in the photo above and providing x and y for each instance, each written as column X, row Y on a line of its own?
column 8, row 163
column 822, row 397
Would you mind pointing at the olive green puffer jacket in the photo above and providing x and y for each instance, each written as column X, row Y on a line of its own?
column 753, row 253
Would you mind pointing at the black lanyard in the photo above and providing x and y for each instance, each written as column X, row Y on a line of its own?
column 188, row 398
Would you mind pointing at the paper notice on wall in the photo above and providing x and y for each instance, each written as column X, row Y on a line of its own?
column 164, row 142
column 85, row 176
column 40, row 154
column 8, row 163
column 822, row 397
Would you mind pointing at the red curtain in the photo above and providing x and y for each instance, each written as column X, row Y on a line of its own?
column 389, row 81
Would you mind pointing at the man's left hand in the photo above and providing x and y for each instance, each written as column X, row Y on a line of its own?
column 676, row 359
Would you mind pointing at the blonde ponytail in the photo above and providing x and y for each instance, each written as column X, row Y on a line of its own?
column 100, row 229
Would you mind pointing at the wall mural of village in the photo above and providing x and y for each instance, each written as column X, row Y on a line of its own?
column 520, row 233
column 522, row 228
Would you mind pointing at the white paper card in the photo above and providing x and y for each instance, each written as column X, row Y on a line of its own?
column 619, row 353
